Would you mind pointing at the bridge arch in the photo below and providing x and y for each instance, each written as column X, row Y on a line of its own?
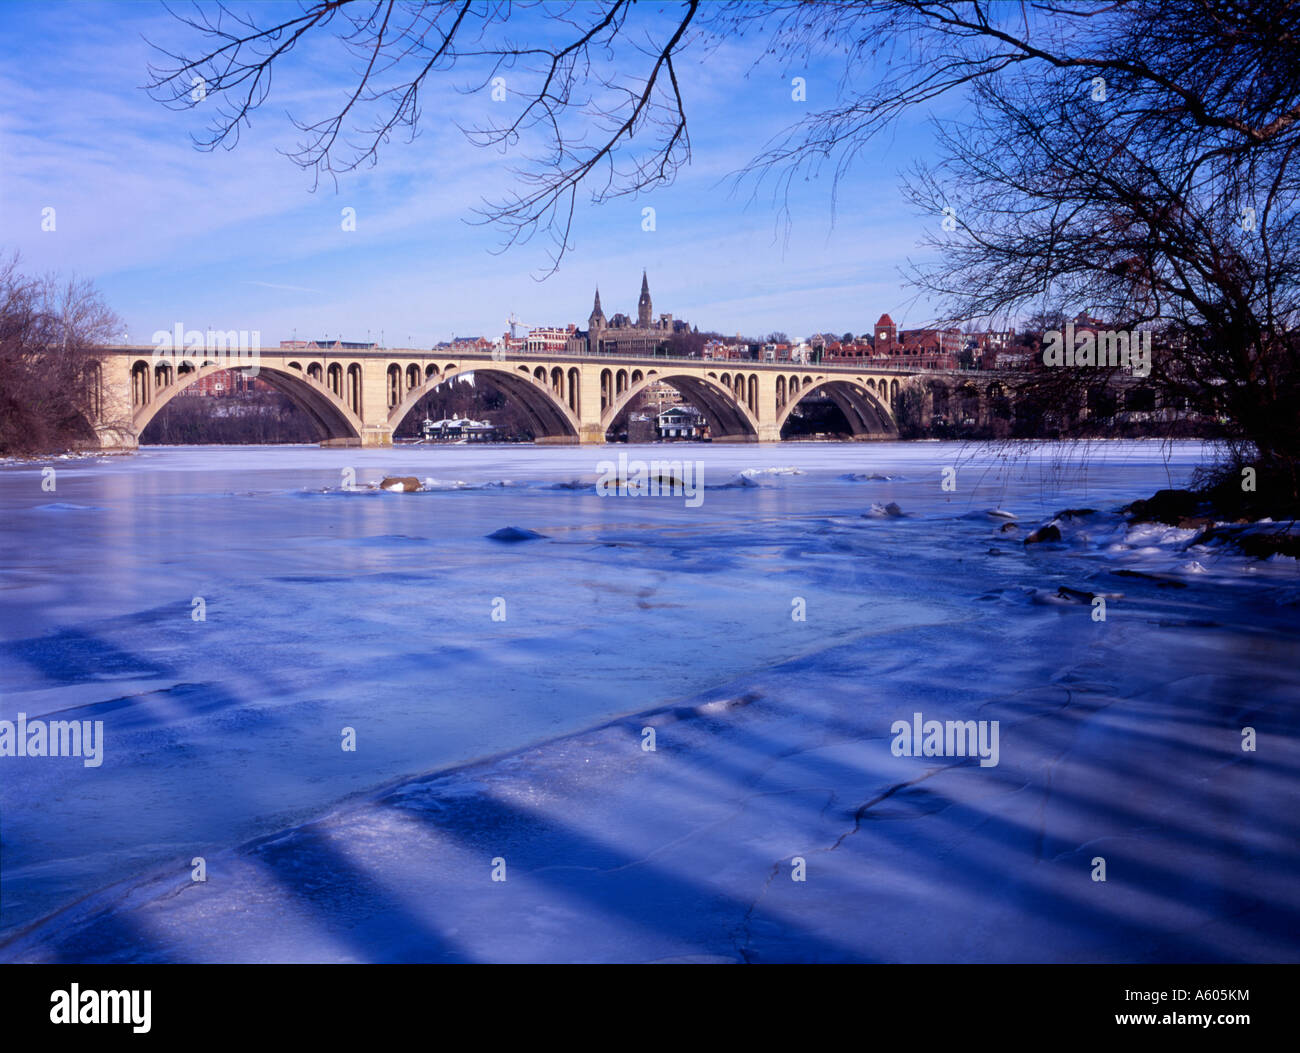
column 868, row 416
column 729, row 417
column 968, row 403
column 546, row 409
column 393, row 380
column 334, row 421
column 997, row 402
column 575, row 391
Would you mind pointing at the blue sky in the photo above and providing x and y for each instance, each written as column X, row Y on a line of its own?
column 238, row 240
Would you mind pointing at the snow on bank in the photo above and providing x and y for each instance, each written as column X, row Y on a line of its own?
column 1158, row 548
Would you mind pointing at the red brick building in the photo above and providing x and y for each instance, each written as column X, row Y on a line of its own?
column 913, row 348
column 226, row 383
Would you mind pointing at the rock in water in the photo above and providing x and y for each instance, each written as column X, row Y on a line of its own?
column 1166, row 506
column 514, row 534
column 400, row 484
column 1047, row 532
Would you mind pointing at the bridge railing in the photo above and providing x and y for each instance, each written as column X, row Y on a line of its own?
column 433, row 355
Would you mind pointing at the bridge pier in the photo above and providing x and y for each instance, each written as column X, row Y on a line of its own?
column 376, row 435
column 110, row 437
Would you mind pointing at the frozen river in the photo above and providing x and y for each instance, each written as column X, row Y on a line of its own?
column 492, row 689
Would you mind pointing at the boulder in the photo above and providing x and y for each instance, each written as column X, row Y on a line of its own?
column 1259, row 540
column 665, row 482
column 1165, row 506
column 1046, row 532
column 400, row 484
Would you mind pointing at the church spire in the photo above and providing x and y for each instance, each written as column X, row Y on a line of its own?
column 643, row 310
column 597, row 319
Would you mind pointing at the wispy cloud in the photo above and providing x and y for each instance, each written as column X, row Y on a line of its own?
column 287, row 288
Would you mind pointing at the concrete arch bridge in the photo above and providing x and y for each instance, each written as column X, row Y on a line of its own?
column 359, row 397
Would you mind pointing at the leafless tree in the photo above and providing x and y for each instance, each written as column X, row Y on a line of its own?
column 602, row 66
column 1156, row 187
column 48, row 372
